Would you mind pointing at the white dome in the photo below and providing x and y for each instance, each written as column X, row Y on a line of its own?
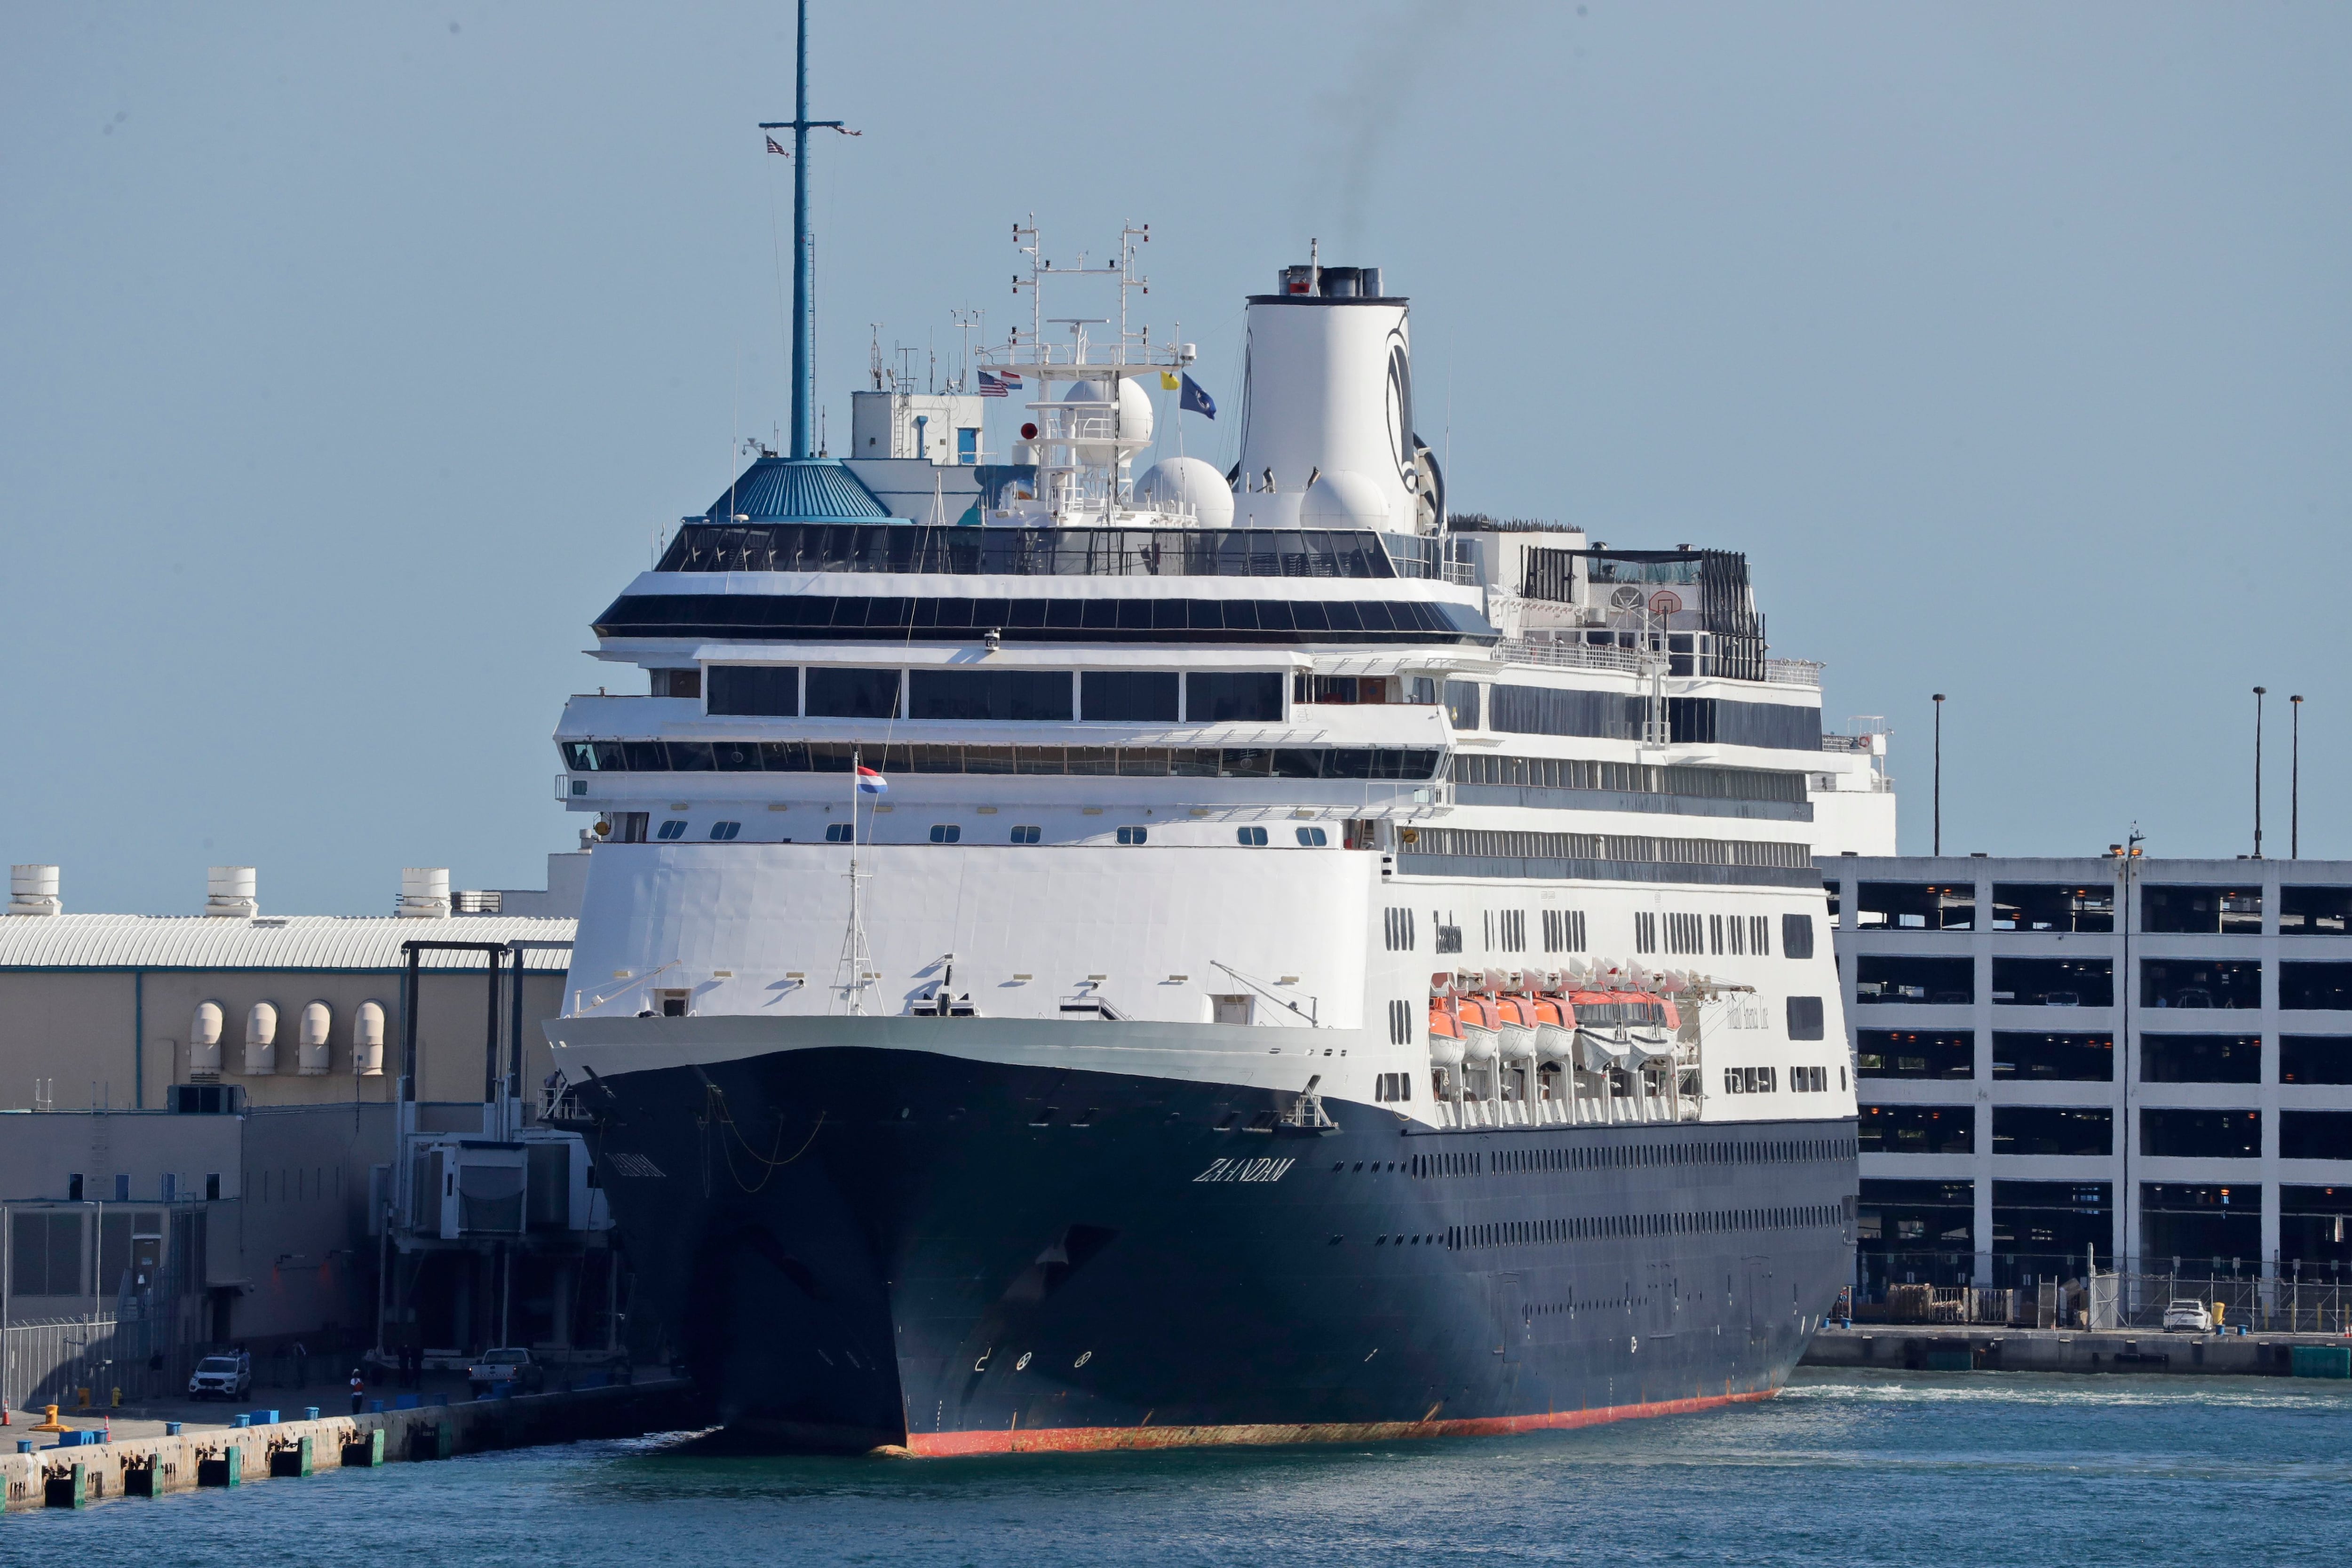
column 1188, row 482
column 1110, row 438
column 1344, row 498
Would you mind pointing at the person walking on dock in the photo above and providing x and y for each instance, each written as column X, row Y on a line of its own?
column 359, row 1390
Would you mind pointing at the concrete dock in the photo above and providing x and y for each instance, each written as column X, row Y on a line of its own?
column 142, row 1461
column 1928, row 1347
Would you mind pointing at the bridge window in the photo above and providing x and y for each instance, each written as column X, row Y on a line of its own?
column 1128, row 695
column 1219, row 698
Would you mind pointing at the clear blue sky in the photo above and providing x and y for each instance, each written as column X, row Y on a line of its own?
column 355, row 353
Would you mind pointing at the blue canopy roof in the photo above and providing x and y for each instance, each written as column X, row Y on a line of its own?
column 808, row 489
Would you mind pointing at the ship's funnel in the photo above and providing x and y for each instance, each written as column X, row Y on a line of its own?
column 1327, row 432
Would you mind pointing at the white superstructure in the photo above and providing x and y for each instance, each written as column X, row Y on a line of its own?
column 1288, row 796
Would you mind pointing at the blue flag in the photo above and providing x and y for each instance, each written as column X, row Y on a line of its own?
column 1195, row 401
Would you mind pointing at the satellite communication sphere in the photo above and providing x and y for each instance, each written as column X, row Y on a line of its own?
column 1187, row 482
column 1344, row 499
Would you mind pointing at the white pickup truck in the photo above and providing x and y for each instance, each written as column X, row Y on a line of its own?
column 508, row 1363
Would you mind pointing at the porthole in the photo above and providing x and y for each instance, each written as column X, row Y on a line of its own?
column 1133, row 834
column 1254, row 837
column 724, row 831
column 674, row 829
column 1312, row 838
column 1025, row 834
column 946, row 833
column 838, row 832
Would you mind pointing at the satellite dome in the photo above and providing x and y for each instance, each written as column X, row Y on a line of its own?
column 1188, row 482
column 1344, row 499
column 1132, row 428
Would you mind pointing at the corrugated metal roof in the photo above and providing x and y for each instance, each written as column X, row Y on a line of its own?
column 811, row 490
column 291, row 941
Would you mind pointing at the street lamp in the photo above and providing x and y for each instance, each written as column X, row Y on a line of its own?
column 2258, row 692
column 2295, row 782
column 1939, row 774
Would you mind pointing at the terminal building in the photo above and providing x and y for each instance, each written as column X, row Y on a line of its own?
column 2147, row 1063
column 209, row 1135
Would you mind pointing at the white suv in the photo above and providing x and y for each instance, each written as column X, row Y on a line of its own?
column 221, row 1377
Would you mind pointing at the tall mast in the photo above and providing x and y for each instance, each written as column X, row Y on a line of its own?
column 803, row 245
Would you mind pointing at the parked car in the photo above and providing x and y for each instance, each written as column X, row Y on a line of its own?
column 508, row 1363
column 221, row 1377
column 2188, row 1315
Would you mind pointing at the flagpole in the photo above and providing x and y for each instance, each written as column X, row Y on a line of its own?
column 856, row 927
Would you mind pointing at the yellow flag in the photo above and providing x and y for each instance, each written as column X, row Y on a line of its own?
column 1167, row 381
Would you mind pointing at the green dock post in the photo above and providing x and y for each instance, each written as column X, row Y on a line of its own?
column 226, row 1470
column 292, row 1461
column 363, row 1450
column 2322, row 1361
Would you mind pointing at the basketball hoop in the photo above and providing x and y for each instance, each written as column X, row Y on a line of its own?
column 1666, row 601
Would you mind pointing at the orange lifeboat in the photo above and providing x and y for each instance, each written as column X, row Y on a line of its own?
column 1481, row 1030
column 1555, row 1028
column 1516, row 1019
column 1444, row 1037
column 1599, row 1017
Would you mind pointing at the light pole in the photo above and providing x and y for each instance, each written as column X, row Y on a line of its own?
column 1939, row 774
column 2294, row 782
column 2258, row 692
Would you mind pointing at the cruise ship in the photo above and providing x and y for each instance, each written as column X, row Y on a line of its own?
column 1192, row 956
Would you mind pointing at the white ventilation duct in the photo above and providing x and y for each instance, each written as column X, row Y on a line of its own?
column 229, row 893
column 367, row 1040
column 310, row 1050
column 261, row 1040
column 205, row 1042
column 33, row 890
column 424, row 892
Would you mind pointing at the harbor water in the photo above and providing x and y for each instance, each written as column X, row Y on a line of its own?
column 1853, row 1468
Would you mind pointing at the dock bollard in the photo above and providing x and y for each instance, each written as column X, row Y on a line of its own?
column 310, row 1413
column 245, row 1420
column 375, row 1406
column 171, row 1428
column 24, row 1445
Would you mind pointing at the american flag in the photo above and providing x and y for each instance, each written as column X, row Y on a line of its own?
column 990, row 386
column 774, row 146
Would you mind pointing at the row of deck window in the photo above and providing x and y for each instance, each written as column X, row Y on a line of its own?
column 1352, row 762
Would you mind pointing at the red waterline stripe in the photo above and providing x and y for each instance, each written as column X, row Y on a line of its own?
column 1095, row 1439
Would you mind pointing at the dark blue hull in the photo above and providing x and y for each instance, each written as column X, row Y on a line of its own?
column 859, row 1247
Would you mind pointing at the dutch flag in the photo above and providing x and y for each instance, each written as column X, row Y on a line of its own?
column 869, row 781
